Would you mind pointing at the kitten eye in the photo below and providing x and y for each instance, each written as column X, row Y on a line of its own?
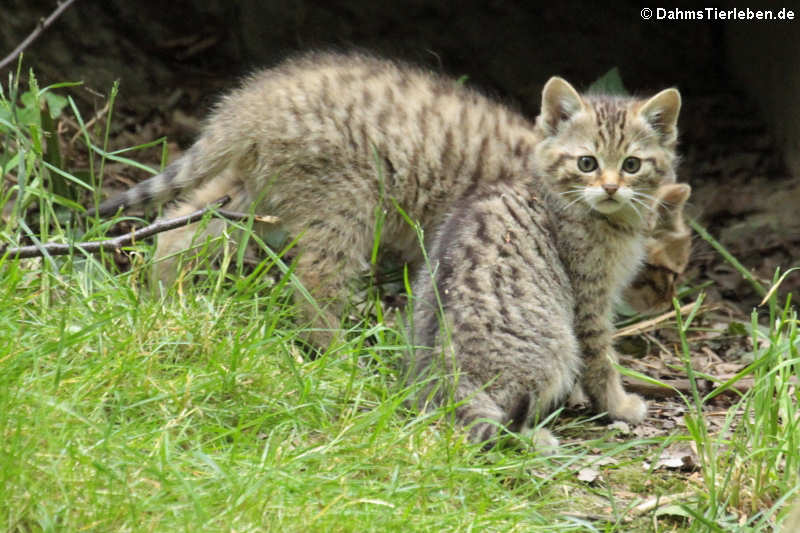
column 587, row 163
column 631, row 165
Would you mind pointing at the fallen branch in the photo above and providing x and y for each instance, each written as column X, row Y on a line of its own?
column 88, row 126
column 114, row 244
column 657, row 502
column 40, row 27
column 683, row 386
column 655, row 323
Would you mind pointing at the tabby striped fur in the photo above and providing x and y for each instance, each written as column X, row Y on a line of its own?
column 518, row 307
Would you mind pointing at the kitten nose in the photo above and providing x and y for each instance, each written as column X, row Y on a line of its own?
column 610, row 188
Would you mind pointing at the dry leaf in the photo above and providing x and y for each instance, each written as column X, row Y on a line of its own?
column 588, row 475
column 678, row 457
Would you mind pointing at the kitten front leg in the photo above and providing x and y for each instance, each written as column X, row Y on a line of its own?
column 622, row 405
column 328, row 261
column 326, row 281
column 603, row 383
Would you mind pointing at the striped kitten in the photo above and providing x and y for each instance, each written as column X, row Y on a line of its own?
column 525, row 272
column 326, row 142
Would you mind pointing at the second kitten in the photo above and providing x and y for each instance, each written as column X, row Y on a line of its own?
column 520, row 305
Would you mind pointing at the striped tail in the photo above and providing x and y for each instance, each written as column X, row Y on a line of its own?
column 198, row 165
column 158, row 189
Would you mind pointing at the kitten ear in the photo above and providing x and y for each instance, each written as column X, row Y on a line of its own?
column 661, row 112
column 670, row 217
column 675, row 194
column 560, row 101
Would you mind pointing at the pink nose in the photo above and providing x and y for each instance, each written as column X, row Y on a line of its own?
column 610, row 188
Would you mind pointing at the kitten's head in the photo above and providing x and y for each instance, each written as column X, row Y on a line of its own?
column 607, row 153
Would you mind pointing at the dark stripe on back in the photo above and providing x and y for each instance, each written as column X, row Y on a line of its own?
column 477, row 174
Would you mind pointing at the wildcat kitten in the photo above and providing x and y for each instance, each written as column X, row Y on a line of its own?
column 526, row 272
column 327, row 141
column 509, row 352
column 667, row 247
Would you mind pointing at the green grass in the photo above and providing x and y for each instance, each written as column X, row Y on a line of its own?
column 750, row 468
column 195, row 408
column 197, row 412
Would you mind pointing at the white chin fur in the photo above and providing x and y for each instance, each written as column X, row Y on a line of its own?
column 598, row 200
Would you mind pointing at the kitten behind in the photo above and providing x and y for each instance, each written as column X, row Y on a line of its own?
column 668, row 247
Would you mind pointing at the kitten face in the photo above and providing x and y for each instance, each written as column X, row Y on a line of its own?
column 605, row 152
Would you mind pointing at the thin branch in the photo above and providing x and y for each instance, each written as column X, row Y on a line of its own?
column 682, row 385
column 79, row 131
column 657, row 322
column 43, row 24
column 745, row 273
column 110, row 245
column 660, row 501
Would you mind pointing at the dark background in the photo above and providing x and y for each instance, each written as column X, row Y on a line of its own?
column 740, row 81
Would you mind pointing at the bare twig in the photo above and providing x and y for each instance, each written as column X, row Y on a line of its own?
column 88, row 125
column 236, row 215
column 43, row 24
column 116, row 243
column 591, row 517
column 655, row 323
column 683, row 385
column 661, row 501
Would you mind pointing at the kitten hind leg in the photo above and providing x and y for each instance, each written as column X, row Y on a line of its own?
column 485, row 419
column 543, row 440
column 329, row 260
column 179, row 247
column 488, row 421
column 182, row 244
column 478, row 412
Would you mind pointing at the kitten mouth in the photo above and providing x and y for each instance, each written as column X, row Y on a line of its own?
column 608, row 205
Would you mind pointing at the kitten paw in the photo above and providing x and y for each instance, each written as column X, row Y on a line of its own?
column 629, row 408
column 544, row 442
column 577, row 397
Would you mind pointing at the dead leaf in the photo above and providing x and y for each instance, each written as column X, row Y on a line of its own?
column 681, row 457
column 602, row 460
column 588, row 475
column 661, row 502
